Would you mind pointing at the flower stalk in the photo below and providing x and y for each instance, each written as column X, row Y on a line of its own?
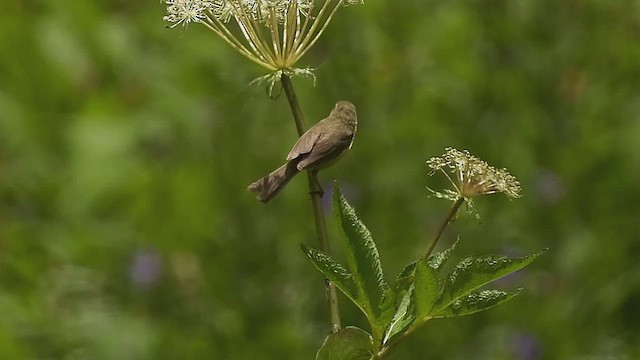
column 447, row 221
column 470, row 177
column 274, row 34
column 316, row 203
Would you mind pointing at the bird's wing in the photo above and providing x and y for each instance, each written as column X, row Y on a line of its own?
column 325, row 149
column 304, row 144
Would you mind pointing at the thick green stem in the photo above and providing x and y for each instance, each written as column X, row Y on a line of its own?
column 316, row 202
column 450, row 216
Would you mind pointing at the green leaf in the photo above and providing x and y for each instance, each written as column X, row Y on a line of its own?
column 422, row 285
column 438, row 259
column 475, row 302
column 362, row 259
column 472, row 273
column 333, row 271
column 350, row 343
column 403, row 317
column 404, row 280
column 427, row 288
column 388, row 307
column 407, row 272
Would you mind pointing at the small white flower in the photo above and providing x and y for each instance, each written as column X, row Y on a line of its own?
column 222, row 10
column 186, row 11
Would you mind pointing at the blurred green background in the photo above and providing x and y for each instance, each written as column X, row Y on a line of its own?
column 126, row 231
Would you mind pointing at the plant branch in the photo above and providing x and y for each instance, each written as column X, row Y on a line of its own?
column 450, row 216
column 392, row 345
column 316, row 201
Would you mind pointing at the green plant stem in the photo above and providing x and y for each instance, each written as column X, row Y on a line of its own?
column 385, row 350
column 450, row 216
column 316, row 202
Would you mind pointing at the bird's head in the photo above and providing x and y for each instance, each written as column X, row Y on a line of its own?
column 345, row 110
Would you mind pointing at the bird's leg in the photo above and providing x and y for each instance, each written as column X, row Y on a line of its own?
column 317, row 189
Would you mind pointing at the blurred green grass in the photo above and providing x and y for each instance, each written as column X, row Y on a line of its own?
column 125, row 149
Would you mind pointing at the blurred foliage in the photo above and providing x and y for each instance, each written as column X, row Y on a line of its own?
column 126, row 231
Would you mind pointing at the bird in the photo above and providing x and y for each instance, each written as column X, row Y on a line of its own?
column 318, row 148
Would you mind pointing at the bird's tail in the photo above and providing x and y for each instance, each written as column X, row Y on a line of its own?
column 269, row 186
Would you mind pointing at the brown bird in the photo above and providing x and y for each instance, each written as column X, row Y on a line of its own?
column 316, row 149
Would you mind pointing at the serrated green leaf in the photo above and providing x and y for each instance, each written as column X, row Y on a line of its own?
column 427, row 288
column 404, row 280
column 407, row 271
column 472, row 273
column 333, row 271
column 363, row 260
column 388, row 307
column 350, row 343
column 438, row 259
column 475, row 302
column 403, row 317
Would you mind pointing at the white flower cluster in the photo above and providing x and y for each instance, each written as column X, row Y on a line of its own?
column 186, row 11
column 472, row 176
column 274, row 34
